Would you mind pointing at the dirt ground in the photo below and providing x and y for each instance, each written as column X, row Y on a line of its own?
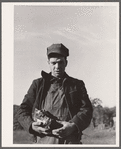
column 90, row 136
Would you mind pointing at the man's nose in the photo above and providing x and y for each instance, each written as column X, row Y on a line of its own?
column 57, row 65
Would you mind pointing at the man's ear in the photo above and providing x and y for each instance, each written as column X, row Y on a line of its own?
column 66, row 62
column 48, row 61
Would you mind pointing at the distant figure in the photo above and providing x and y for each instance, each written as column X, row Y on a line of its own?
column 63, row 109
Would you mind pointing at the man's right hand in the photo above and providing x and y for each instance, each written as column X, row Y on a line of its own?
column 36, row 127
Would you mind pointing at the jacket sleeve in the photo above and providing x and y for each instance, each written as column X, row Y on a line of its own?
column 25, row 110
column 83, row 117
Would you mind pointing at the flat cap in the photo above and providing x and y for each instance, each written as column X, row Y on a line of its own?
column 58, row 49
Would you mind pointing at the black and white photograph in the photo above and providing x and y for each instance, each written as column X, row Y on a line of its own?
column 60, row 74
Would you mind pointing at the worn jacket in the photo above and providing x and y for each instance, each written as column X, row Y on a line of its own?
column 77, row 99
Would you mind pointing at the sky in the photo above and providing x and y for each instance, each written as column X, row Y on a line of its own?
column 90, row 33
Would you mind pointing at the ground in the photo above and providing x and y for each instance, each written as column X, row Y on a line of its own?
column 90, row 136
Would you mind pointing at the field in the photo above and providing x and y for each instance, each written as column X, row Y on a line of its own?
column 95, row 136
column 90, row 136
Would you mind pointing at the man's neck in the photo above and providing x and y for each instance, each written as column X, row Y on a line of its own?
column 59, row 77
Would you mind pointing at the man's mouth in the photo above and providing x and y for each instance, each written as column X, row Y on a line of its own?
column 58, row 71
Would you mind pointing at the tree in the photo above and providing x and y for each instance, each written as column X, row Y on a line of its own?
column 109, row 113
column 97, row 115
column 97, row 112
column 102, row 114
column 95, row 102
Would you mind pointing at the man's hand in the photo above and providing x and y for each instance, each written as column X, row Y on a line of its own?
column 67, row 129
column 36, row 127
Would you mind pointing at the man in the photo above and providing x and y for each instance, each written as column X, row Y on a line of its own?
column 63, row 96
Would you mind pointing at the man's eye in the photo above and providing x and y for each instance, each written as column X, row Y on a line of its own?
column 53, row 63
column 60, row 63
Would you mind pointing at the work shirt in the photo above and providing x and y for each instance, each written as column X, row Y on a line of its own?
column 56, row 104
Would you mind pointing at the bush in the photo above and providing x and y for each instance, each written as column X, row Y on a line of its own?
column 16, row 124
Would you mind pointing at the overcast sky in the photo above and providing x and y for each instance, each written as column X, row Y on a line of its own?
column 90, row 33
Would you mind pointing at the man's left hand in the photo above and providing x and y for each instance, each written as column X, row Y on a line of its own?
column 67, row 129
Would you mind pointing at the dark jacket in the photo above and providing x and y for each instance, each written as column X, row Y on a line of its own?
column 76, row 97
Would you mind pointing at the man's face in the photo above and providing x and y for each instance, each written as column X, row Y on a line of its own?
column 57, row 66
